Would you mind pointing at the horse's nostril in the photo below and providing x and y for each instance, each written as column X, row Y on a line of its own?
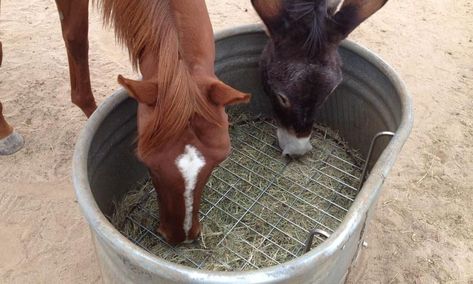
column 189, row 241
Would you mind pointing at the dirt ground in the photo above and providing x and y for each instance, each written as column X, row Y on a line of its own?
column 422, row 231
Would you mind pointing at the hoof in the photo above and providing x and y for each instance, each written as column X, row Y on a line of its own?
column 11, row 144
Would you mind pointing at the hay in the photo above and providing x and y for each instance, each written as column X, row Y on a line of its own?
column 257, row 207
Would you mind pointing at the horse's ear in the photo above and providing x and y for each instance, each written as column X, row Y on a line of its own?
column 143, row 91
column 352, row 13
column 222, row 94
column 271, row 12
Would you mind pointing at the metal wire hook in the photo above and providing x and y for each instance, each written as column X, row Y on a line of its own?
column 370, row 153
column 310, row 238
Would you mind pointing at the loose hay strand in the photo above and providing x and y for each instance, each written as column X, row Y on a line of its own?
column 258, row 207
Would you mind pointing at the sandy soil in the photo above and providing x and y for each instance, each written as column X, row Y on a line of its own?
column 423, row 228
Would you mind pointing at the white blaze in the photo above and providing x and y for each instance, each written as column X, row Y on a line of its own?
column 189, row 164
column 292, row 145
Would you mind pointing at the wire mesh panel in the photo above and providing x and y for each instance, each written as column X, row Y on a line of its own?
column 258, row 207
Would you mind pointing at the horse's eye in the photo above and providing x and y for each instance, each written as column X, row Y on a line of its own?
column 283, row 100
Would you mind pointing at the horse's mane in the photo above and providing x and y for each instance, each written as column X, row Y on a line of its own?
column 150, row 25
column 312, row 14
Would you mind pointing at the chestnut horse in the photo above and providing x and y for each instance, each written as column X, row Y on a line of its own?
column 182, row 124
column 300, row 65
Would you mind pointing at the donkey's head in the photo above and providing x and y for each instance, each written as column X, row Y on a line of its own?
column 300, row 65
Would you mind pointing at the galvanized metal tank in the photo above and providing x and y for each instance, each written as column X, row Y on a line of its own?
column 371, row 102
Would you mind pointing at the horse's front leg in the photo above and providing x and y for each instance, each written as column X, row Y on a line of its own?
column 74, row 16
column 10, row 141
column 5, row 128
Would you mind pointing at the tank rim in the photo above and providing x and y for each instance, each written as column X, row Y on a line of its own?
column 285, row 271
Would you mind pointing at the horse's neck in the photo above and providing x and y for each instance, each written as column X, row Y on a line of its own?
column 195, row 39
column 195, row 34
column 198, row 67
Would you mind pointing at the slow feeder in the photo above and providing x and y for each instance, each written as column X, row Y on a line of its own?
column 370, row 112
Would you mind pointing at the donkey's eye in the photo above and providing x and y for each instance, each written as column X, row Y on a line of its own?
column 283, row 100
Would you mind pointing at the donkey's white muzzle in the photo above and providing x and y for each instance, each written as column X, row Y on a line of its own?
column 292, row 145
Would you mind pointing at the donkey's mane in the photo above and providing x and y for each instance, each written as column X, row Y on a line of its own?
column 150, row 25
column 313, row 14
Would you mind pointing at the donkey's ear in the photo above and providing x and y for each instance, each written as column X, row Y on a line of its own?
column 271, row 12
column 332, row 6
column 143, row 91
column 222, row 94
column 353, row 13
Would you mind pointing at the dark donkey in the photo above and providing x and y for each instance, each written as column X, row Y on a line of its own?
column 300, row 65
